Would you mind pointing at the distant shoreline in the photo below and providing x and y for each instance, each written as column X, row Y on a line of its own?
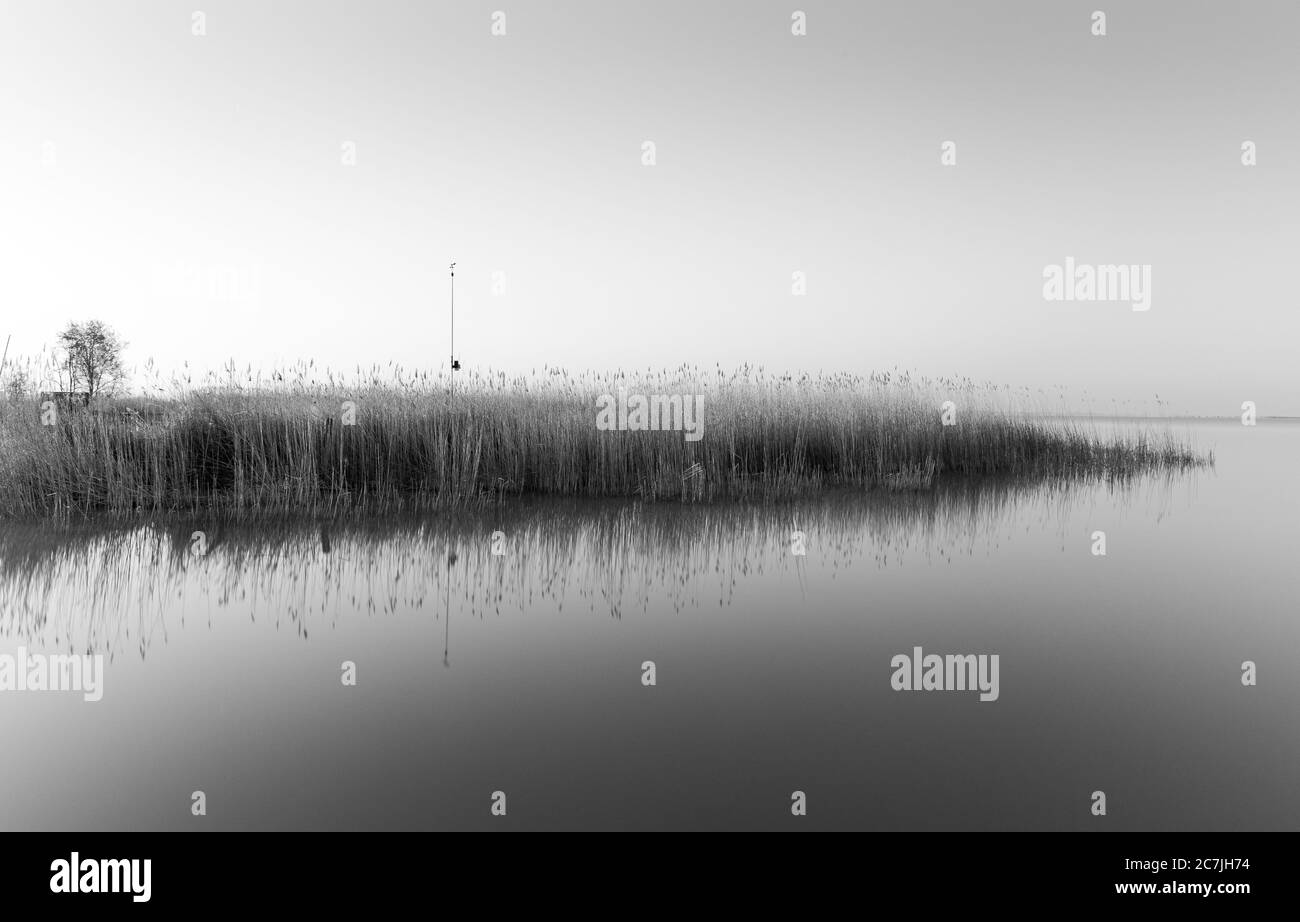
column 1192, row 419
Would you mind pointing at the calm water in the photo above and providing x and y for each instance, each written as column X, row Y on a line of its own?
column 522, row 672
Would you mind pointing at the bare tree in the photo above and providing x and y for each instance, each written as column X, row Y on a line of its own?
column 92, row 355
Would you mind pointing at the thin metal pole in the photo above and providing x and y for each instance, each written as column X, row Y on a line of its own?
column 453, row 328
column 5, row 357
column 451, row 392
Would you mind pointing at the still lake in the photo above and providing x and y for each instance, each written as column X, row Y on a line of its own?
column 521, row 671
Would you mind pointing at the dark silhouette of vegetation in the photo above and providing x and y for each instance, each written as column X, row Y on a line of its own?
column 287, row 446
column 92, row 357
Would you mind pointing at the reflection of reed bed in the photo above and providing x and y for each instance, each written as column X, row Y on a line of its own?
column 290, row 445
column 103, row 587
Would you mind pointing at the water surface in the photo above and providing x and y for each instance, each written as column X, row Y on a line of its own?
column 522, row 671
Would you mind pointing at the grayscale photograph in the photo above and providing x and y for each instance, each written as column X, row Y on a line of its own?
column 614, row 416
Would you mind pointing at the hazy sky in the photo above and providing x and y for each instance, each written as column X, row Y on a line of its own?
column 192, row 190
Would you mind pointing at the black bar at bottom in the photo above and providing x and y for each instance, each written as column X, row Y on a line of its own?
column 379, row 870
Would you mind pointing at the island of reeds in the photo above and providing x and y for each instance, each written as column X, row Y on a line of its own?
column 310, row 441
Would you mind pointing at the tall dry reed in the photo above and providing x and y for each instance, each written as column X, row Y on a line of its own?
column 279, row 443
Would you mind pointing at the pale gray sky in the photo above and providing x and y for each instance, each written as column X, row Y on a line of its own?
column 190, row 189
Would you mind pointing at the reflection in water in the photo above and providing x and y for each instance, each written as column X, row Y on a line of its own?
column 774, row 670
column 104, row 588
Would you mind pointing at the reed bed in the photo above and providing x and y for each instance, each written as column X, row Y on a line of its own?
column 304, row 440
